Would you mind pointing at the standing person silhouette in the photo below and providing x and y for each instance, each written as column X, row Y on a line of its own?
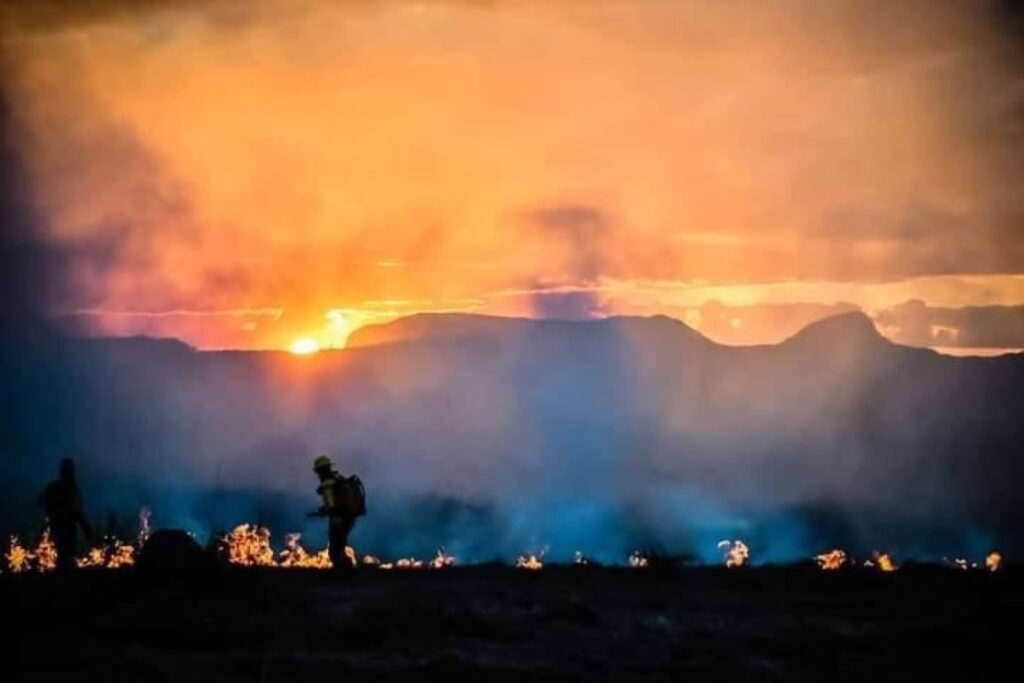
column 343, row 500
column 61, row 500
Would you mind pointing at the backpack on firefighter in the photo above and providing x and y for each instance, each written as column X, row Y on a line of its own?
column 342, row 495
column 350, row 495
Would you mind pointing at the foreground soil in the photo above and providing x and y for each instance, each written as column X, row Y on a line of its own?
column 558, row 623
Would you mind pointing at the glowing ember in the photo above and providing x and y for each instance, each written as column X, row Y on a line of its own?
column 737, row 554
column 529, row 562
column 994, row 561
column 371, row 561
column 638, row 561
column 833, row 559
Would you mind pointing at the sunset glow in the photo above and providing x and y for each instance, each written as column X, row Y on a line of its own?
column 243, row 173
column 304, row 346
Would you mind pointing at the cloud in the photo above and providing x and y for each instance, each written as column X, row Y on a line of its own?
column 213, row 156
column 976, row 327
column 30, row 268
column 578, row 234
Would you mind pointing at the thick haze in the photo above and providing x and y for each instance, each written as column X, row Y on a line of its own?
column 229, row 173
column 239, row 175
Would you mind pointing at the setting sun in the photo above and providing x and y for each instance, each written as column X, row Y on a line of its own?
column 304, row 346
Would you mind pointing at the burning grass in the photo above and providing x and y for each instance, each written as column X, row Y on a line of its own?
column 832, row 560
column 249, row 545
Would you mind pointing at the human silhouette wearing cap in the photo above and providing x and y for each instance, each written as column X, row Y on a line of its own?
column 343, row 500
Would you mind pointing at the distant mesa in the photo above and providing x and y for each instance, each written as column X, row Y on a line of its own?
column 439, row 326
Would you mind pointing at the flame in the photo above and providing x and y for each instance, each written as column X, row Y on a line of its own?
column 737, row 554
column 994, row 561
column 112, row 554
column 883, row 561
column 442, row 560
column 43, row 558
column 529, row 562
column 294, row 555
column 408, row 563
column 833, row 559
column 46, row 552
column 638, row 561
column 249, row 546
column 19, row 559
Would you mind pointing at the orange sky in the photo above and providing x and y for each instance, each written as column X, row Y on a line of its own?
column 231, row 173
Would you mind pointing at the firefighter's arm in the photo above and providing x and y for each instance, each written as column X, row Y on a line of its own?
column 329, row 504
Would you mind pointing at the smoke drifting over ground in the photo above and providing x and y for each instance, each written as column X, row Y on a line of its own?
column 135, row 178
column 493, row 437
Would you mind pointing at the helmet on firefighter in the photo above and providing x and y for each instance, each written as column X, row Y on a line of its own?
column 321, row 462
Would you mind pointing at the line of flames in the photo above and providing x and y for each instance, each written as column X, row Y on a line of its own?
column 249, row 545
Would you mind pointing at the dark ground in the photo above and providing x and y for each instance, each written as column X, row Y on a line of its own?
column 566, row 623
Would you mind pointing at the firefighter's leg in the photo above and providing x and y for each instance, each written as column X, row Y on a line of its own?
column 64, row 541
column 338, row 534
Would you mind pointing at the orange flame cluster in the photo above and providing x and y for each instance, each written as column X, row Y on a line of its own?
column 883, row 561
column 832, row 560
column 42, row 558
column 112, row 554
column 294, row 555
column 994, row 561
column 529, row 562
column 737, row 554
column 248, row 545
